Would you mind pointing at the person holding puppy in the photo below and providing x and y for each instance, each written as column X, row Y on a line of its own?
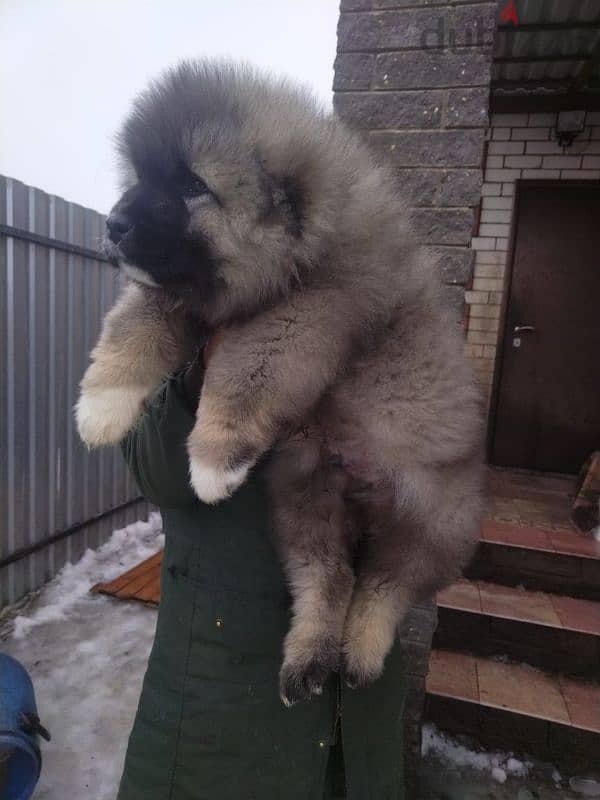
column 327, row 476
column 210, row 724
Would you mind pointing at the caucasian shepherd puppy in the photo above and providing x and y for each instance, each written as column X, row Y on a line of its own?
column 247, row 206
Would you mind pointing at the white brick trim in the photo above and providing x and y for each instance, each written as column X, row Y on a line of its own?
column 520, row 146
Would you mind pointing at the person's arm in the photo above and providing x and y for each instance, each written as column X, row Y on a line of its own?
column 156, row 449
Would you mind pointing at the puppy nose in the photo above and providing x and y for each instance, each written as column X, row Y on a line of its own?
column 118, row 225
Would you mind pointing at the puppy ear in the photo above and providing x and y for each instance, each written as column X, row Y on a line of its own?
column 294, row 200
column 285, row 202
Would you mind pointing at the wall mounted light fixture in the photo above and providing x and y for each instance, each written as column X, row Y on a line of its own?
column 568, row 127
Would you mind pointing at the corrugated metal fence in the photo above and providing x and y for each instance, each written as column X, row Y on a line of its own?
column 56, row 498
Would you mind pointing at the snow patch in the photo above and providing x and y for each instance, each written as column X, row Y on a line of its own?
column 498, row 765
column 498, row 774
column 556, row 777
column 86, row 654
column 71, row 586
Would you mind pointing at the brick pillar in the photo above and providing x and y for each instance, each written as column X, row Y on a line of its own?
column 414, row 75
column 415, row 637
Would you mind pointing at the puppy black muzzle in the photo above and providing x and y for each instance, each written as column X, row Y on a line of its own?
column 148, row 229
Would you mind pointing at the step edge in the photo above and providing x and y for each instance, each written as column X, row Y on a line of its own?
column 517, row 712
column 516, row 668
column 523, row 620
column 539, row 549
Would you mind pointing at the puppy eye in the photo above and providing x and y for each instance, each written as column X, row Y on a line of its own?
column 194, row 187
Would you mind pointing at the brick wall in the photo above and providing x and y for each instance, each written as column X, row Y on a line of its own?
column 414, row 76
column 521, row 146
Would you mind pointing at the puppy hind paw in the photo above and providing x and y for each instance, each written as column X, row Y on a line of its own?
column 363, row 660
column 308, row 663
column 104, row 415
column 300, row 683
column 357, row 677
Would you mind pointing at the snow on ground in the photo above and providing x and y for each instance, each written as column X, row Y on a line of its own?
column 498, row 765
column 86, row 655
column 455, row 769
column 125, row 548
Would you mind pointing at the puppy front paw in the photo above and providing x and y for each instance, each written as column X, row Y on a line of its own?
column 105, row 414
column 213, row 483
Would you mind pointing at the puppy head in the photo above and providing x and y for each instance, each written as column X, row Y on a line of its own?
column 225, row 189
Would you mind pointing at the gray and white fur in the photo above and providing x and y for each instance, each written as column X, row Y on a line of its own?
column 246, row 206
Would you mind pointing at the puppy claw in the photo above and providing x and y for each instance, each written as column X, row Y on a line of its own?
column 359, row 679
column 213, row 484
column 286, row 701
column 302, row 680
column 301, row 685
column 105, row 415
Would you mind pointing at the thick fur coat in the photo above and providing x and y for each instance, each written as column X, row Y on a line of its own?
column 248, row 207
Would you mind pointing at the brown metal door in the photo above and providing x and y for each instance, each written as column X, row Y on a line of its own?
column 547, row 414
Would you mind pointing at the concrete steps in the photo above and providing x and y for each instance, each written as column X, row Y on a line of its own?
column 560, row 562
column 545, row 630
column 516, row 659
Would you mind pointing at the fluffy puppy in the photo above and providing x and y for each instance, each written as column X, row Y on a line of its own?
column 245, row 205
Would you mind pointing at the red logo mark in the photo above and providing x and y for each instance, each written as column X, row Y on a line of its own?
column 509, row 13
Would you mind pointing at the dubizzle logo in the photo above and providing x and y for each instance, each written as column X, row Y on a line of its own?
column 509, row 13
column 476, row 32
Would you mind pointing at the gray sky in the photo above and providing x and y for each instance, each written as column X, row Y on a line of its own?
column 69, row 69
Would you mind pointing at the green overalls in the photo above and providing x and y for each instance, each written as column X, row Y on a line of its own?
column 210, row 724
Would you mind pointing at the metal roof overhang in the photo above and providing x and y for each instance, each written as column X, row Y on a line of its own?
column 550, row 58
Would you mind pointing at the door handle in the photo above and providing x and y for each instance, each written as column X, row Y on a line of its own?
column 524, row 329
